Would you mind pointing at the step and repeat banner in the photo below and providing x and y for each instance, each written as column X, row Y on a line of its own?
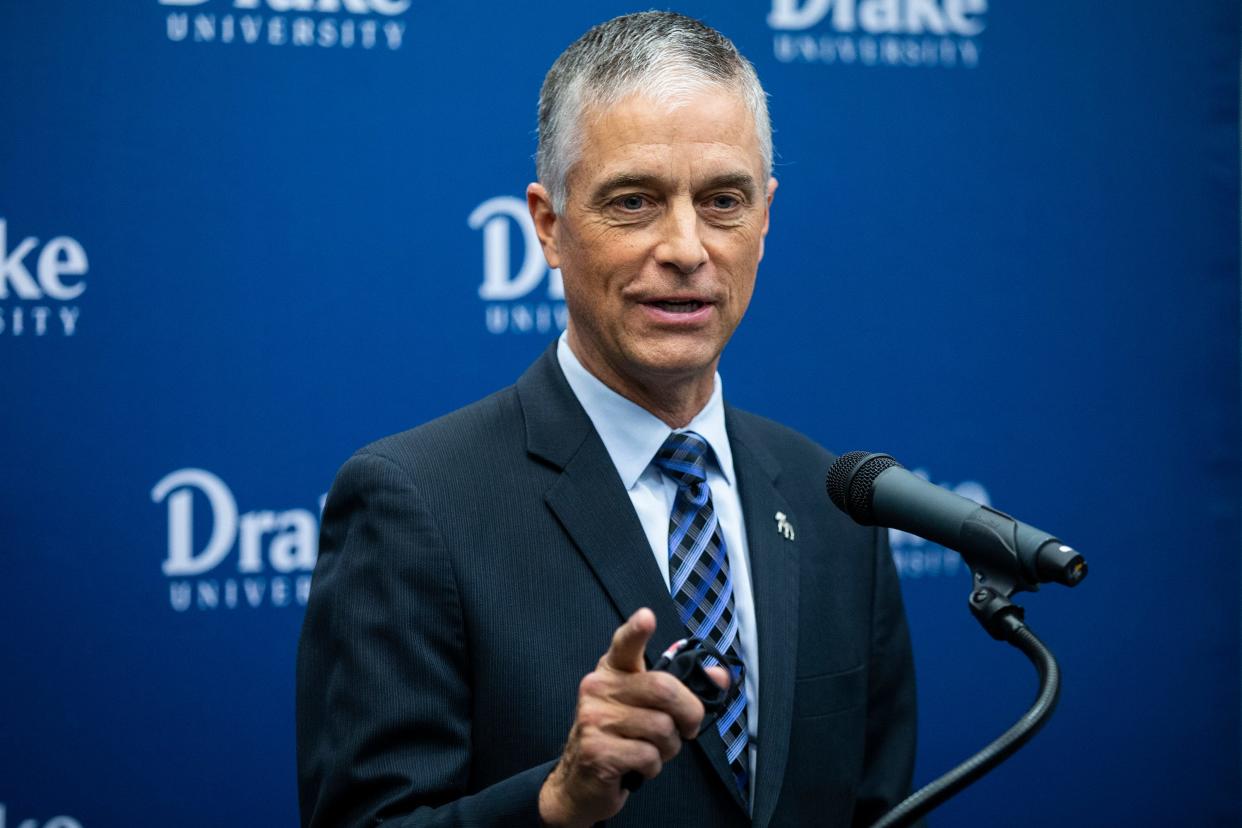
column 241, row 238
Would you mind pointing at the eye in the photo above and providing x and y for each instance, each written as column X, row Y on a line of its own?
column 724, row 202
column 631, row 203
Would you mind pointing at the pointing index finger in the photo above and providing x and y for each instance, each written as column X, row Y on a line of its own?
column 628, row 642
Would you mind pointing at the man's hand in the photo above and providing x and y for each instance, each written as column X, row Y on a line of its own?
column 628, row 719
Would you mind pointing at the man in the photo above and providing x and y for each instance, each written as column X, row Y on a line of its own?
column 473, row 570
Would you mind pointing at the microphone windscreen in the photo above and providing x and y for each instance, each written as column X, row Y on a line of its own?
column 850, row 480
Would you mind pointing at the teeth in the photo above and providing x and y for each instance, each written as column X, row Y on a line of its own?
column 679, row 307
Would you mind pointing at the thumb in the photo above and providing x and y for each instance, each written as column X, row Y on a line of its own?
column 628, row 642
column 719, row 675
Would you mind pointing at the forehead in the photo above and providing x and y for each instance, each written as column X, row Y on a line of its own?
column 707, row 132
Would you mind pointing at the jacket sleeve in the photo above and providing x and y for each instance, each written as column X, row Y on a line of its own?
column 888, row 762
column 383, row 684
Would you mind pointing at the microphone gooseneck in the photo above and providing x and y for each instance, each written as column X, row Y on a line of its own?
column 999, row 749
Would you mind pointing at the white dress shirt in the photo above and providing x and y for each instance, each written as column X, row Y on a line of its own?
column 632, row 435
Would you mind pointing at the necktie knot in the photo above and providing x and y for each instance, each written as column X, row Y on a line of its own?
column 683, row 457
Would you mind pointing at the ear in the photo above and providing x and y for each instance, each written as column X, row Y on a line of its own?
column 544, row 216
column 767, row 214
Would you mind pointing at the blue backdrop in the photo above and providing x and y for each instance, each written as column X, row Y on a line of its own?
column 1004, row 249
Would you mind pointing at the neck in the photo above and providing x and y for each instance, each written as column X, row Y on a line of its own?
column 674, row 398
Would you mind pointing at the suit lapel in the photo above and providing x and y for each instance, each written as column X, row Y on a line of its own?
column 592, row 505
column 595, row 510
column 589, row 499
column 774, row 579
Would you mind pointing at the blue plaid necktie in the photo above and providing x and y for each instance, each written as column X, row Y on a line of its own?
column 700, row 583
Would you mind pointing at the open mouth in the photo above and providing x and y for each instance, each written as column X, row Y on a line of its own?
column 689, row 306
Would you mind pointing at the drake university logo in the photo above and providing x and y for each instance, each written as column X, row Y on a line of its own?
column 517, row 301
column 897, row 33
column 40, row 285
column 54, row 822
column 340, row 24
column 276, row 550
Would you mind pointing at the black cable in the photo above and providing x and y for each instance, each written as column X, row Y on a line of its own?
column 938, row 791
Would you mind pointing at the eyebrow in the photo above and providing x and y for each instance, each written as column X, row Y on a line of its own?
column 621, row 181
column 737, row 180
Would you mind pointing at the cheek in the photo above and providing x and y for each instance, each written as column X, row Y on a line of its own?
column 742, row 300
column 590, row 292
column 743, row 265
column 606, row 269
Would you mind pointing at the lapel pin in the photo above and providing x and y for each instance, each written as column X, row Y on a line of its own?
column 784, row 526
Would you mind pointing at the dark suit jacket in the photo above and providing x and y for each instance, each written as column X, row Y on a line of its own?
column 472, row 571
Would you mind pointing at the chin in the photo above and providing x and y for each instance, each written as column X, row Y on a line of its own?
column 678, row 359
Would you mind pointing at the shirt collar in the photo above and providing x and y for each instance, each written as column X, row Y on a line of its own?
column 632, row 434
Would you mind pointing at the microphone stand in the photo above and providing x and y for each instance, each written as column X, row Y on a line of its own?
column 1003, row 621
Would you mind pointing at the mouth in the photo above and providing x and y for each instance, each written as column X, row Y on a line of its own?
column 678, row 312
column 677, row 306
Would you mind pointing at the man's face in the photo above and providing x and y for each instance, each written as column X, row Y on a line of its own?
column 660, row 238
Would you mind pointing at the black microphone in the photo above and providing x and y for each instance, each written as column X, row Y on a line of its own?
column 876, row 490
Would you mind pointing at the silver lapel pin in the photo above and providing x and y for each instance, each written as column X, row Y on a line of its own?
column 784, row 526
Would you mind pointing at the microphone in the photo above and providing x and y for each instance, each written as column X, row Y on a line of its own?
column 876, row 490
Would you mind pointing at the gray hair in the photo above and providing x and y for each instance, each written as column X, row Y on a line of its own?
column 662, row 55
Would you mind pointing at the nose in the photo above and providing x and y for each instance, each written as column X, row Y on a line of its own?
column 680, row 244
